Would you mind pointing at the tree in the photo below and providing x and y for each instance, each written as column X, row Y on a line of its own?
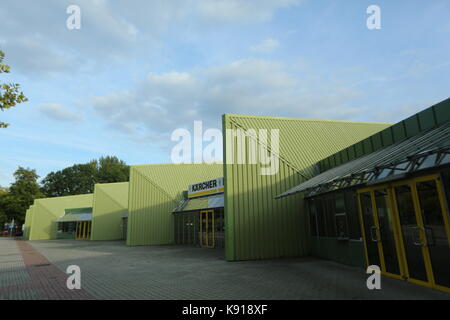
column 3, row 217
column 21, row 195
column 77, row 179
column 111, row 169
column 10, row 93
column 81, row 178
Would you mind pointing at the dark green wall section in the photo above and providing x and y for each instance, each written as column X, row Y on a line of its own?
column 422, row 121
column 65, row 236
column 346, row 252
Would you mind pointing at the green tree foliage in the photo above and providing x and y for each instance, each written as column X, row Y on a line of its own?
column 77, row 179
column 81, row 178
column 111, row 169
column 3, row 217
column 21, row 195
column 10, row 93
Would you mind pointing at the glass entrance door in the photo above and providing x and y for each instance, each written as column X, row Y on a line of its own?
column 406, row 230
column 83, row 230
column 433, row 230
column 207, row 229
column 410, row 232
column 380, row 227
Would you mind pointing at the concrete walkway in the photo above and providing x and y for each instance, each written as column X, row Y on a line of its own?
column 111, row 270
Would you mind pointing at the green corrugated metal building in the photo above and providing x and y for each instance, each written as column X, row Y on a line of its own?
column 154, row 193
column 258, row 214
column 110, row 209
column 257, row 225
column 384, row 201
column 46, row 211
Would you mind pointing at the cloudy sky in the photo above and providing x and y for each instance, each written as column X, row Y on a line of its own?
column 137, row 70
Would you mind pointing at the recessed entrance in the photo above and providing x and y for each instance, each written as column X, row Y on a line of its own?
column 204, row 228
column 406, row 230
column 83, row 231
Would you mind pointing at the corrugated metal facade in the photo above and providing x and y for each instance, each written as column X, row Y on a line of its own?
column 352, row 252
column 427, row 119
column 257, row 225
column 110, row 206
column 28, row 218
column 154, row 192
column 46, row 210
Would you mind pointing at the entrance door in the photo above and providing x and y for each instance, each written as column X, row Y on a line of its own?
column 406, row 230
column 207, row 229
column 380, row 230
column 83, row 231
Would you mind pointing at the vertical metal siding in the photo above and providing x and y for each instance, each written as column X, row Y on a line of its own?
column 154, row 192
column 257, row 225
column 110, row 205
column 46, row 210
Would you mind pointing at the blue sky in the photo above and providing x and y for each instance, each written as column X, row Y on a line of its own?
column 137, row 70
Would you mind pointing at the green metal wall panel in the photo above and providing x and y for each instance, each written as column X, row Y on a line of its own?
column 367, row 145
column 155, row 190
column 257, row 225
column 359, row 147
column 344, row 155
column 346, row 252
column 387, row 137
column 442, row 111
column 424, row 120
column 377, row 142
column 109, row 208
column 399, row 131
column 28, row 218
column 427, row 119
column 412, row 126
column 46, row 210
column 351, row 153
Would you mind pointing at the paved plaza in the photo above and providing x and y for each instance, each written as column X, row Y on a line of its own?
column 111, row 270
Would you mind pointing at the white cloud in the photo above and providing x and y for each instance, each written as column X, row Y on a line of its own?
column 266, row 46
column 56, row 111
column 166, row 101
column 113, row 29
column 32, row 54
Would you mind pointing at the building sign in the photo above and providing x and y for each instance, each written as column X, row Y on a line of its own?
column 206, row 188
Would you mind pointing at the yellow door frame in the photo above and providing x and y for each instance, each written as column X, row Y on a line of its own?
column 361, row 224
column 412, row 184
column 398, row 234
column 208, row 214
column 425, row 249
column 371, row 190
column 83, row 230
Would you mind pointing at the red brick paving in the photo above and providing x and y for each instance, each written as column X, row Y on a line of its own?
column 47, row 280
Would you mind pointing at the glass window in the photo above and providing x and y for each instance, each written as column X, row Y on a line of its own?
column 330, row 215
column 351, row 206
column 342, row 226
column 428, row 162
column 340, row 202
column 335, row 215
column 320, row 215
column 312, row 218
